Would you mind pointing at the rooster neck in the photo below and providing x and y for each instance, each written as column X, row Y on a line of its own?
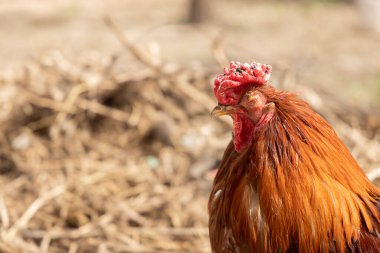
column 310, row 188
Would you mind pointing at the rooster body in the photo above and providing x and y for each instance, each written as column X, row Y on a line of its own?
column 286, row 182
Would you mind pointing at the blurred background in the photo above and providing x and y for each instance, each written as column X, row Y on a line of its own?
column 106, row 142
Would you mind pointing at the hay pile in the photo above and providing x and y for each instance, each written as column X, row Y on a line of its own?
column 93, row 161
column 90, row 161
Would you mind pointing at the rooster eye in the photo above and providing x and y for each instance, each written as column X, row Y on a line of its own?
column 252, row 97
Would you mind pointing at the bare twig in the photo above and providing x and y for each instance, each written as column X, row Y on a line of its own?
column 4, row 214
column 137, row 53
column 82, row 232
column 33, row 209
column 103, row 110
column 217, row 50
column 374, row 174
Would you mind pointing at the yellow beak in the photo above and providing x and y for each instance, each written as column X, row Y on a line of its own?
column 221, row 110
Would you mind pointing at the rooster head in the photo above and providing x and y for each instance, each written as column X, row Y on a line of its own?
column 235, row 90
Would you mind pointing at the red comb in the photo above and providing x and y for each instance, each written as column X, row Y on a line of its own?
column 229, row 86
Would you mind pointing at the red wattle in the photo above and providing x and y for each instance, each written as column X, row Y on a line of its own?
column 243, row 131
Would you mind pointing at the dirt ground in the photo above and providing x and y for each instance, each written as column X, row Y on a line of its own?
column 105, row 148
column 325, row 45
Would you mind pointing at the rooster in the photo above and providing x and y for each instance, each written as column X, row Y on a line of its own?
column 286, row 182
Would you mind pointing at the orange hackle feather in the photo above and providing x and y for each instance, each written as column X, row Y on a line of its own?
column 296, row 188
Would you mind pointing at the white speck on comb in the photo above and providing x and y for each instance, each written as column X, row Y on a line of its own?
column 267, row 76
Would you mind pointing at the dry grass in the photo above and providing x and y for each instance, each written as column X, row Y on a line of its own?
column 93, row 161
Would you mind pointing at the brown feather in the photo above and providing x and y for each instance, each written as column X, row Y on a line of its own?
column 296, row 188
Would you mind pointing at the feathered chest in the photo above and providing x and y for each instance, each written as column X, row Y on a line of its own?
column 291, row 196
column 235, row 217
